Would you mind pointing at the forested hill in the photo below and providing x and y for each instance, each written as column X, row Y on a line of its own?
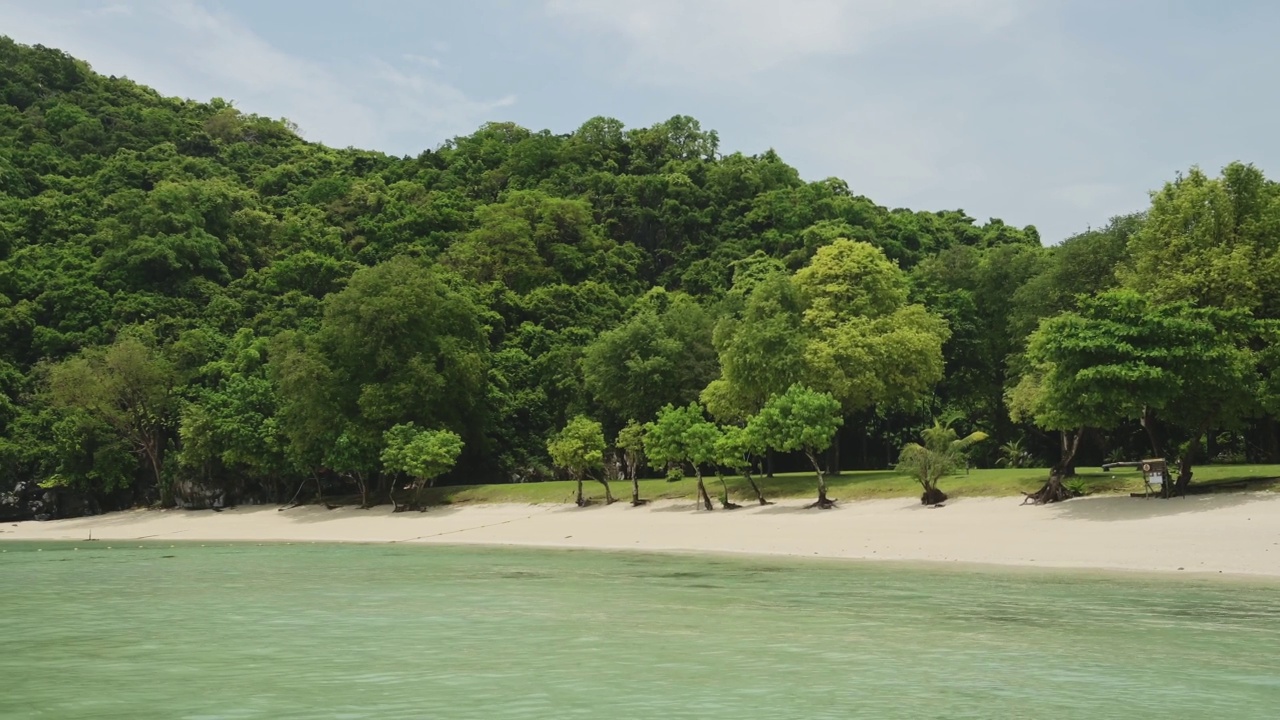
column 194, row 299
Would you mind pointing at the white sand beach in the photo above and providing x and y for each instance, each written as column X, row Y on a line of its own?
column 1225, row 533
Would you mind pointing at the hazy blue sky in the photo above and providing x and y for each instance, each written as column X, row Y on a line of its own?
column 1057, row 113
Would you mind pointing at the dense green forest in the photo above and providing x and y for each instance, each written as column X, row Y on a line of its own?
column 196, row 303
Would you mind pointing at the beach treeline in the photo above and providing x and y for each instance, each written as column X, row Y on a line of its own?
column 198, row 306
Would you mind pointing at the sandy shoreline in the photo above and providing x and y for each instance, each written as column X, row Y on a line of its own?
column 1228, row 533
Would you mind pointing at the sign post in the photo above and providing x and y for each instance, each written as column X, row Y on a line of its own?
column 1153, row 476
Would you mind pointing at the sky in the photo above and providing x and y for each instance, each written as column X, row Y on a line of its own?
column 1053, row 113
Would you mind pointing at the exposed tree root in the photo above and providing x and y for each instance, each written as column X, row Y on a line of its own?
column 932, row 496
column 1051, row 492
column 823, row 502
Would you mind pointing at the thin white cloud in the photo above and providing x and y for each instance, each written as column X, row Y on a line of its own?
column 887, row 143
column 686, row 42
column 110, row 9
column 1088, row 195
column 185, row 48
column 917, row 103
column 430, row 62
column 413, row 100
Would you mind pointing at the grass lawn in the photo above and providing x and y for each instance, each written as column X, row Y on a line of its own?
column 847, row 486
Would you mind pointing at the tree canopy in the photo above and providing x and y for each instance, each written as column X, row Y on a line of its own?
column 800, row 419
column 579, row 449
column 198, row 303
column 423, row 455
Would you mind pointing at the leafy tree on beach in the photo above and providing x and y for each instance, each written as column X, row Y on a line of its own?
column 801, row 419
column 423, row 455
column 660, row 355
column 351, row 455
column 1122, row 357
column 630, row 444
column 128, row 387
column 868, row 346
column 736, row 448
column 760, row 349
column 281, row 305
column 579, row 449
column 940, row 453
column 683, row 435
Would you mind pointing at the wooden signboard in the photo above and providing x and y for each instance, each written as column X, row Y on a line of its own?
column 1153, row 473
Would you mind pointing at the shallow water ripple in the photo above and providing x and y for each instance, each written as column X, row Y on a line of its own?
column 313, row 631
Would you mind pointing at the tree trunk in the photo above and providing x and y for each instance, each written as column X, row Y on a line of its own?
column 320, row 492
column 293, row 501
column 1070, row 446
column 1271, row 440
column 608, row 495
column 702, row 490
column 635, row 492
column 1151, row 425
column 1184, row 464
column 1053, row 490
column 768, row 463
column 419, row 484
column 725, row 502
column 835, row 456
column 823, row 502
column 151, row 450
column 364, row 490
column 391, row 494
column 756, row 488
column 581, row 502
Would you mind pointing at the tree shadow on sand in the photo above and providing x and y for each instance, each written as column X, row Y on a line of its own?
column 1125, row 508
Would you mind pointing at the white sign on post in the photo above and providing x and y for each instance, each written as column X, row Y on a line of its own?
column 1153, row 474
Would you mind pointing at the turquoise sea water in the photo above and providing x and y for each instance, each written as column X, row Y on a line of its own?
column 352, row 631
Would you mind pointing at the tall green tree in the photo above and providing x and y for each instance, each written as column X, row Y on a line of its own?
column 868, row 347
column 129, row 388
column 662, row 354
column 1211, row 241
column 761, row 349
column 398, row 345
column 736, row 447
column 421, row 454
column 630, row 445
column 229, row 430
column 1121, row 356
column 1214, row 242
column 352, row 455
column 682, row 435
column 801, row 420
column 579, row 449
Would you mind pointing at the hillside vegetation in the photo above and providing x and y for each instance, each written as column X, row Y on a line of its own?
column 197, row 305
